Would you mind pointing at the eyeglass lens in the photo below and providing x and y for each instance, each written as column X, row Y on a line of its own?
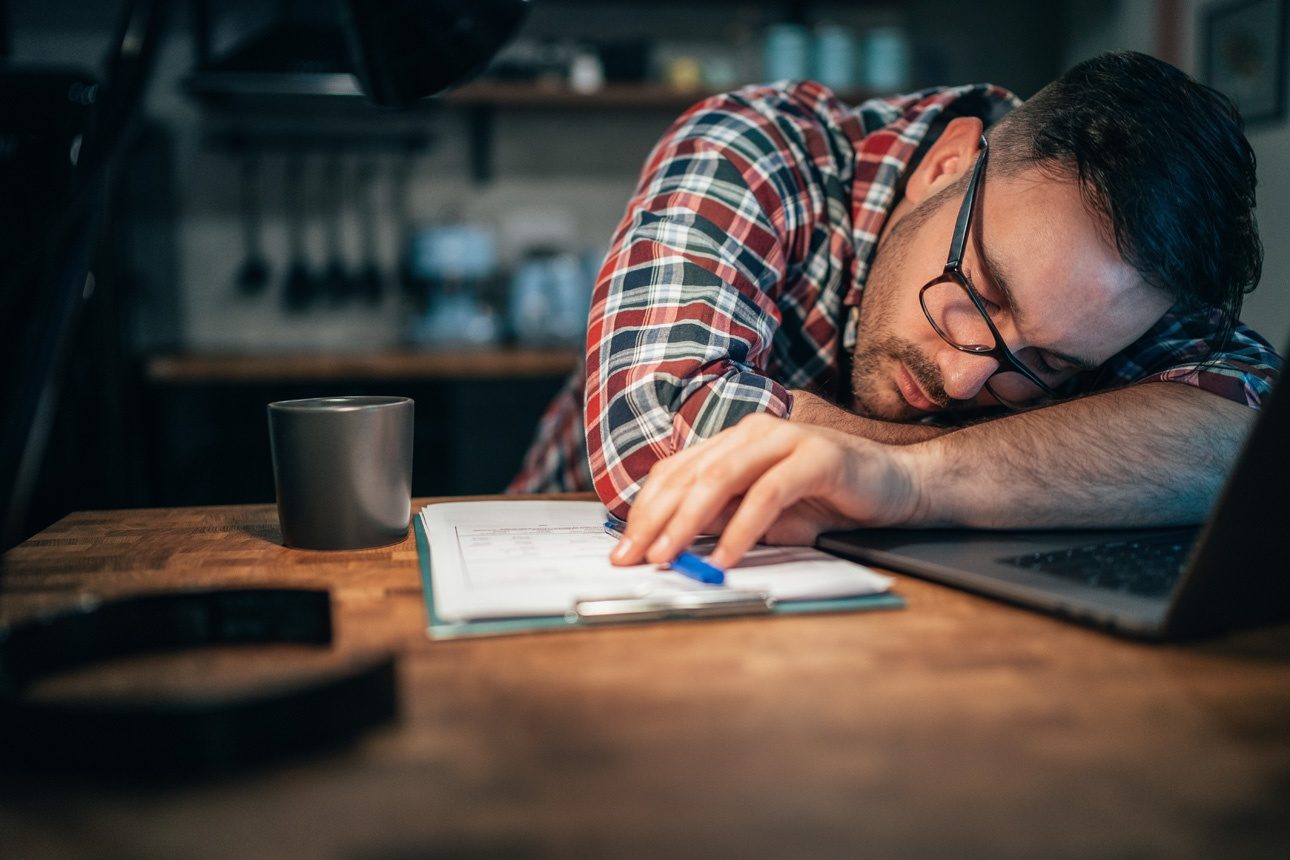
column 962, row 324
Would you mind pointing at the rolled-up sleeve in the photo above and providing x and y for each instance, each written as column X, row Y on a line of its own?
column 684, row 310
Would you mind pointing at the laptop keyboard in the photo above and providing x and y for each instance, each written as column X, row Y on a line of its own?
column 1148, row 567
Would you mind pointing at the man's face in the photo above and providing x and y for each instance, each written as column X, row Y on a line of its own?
column 1053, row 282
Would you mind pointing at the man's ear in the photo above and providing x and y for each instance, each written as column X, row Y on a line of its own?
column 953, row 154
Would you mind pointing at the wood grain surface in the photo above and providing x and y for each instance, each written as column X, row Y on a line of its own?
column 957, row 727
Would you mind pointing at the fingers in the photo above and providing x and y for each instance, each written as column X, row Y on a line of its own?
column 667, row 481
column 725, row 474
column 686, row 494
column 765, row 474
column 807, row 471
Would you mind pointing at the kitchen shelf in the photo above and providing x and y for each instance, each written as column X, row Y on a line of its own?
column 341, row 90
column 263, row 368
column 502, row 94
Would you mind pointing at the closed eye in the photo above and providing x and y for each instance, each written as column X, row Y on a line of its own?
column 992, row 308
column 1047, row 364
column 1048, row 367
column 1053, row 365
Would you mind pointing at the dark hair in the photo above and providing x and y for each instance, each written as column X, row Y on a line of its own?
column 1164, row 159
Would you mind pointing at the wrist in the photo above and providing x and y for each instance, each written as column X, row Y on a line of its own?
column 912, row 478
column 954, row 483
column 878, row 484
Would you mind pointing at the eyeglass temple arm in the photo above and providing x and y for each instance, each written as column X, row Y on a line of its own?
column 959, row 244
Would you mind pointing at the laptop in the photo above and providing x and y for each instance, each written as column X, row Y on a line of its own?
column 1174, row 583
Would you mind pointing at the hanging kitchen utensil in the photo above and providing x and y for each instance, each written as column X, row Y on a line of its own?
column 299, row 287
column 369, row 283
column 253, row 274
column 400, row 180
column 336, row 283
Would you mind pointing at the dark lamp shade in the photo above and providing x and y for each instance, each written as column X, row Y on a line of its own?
column 407, row 50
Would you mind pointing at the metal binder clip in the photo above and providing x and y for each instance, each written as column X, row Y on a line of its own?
column 690, row 604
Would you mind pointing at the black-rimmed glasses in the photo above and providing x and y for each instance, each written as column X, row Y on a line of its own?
column 957, row 313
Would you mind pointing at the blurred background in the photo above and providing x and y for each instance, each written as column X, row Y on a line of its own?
column 269, row 234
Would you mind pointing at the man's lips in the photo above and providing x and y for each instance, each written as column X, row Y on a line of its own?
column 911, row 392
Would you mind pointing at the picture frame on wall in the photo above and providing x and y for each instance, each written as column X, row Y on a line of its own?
column 1243, row 54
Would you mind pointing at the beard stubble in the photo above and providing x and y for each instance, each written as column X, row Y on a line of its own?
column 874, row 393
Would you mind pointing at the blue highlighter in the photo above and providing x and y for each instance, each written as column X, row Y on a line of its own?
column 696, row 568
column 687, row 563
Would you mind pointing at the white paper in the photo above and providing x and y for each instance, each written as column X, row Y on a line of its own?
column 527, row 558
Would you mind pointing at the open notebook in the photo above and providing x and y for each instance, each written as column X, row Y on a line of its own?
column 520, row 564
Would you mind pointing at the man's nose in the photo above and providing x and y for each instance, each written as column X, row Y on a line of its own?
column 964, row 374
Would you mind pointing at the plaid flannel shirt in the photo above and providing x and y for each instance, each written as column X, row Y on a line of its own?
column 736, row 271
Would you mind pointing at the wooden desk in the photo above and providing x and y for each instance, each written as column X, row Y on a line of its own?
column 957, row 727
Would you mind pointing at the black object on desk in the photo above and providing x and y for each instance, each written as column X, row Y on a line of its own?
column 181, row 737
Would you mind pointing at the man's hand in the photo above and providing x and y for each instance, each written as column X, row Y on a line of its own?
column 814, row 410
column 1148, row 455
column 765, row 479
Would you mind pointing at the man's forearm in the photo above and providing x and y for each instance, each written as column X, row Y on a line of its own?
column 1148, row 455
column 814, row 410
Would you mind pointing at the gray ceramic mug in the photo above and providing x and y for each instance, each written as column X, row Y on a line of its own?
column 343, row 470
